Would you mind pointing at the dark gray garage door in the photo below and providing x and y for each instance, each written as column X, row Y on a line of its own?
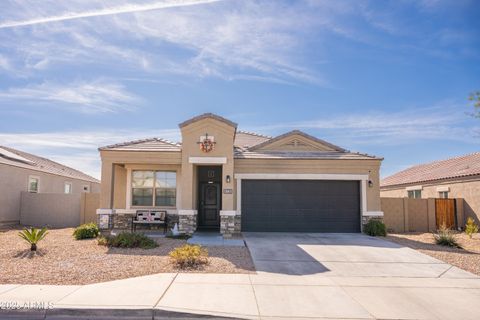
column 300, row 206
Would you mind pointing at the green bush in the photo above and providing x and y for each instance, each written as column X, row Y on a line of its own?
column 33, row 236
column 375, row 227
column 189, row 256
column 130, row 240
column 446, row 237
column 471, row 227
column 86, row 231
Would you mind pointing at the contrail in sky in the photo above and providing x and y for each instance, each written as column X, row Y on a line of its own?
column 105, row 12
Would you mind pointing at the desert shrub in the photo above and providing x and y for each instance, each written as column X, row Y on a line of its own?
column 131, row 240
column 102, row 241
column 33, row 236
column 375, row 227
column 86, row 231
column 189, row 256
column 446, row 237
column 471, row 227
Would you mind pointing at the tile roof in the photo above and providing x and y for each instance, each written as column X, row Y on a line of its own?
column 244, row 139
column 33, row 162
column 301, row 133
column 152, row 144
column 323, row 155
column 206, row 116
column 463, row 166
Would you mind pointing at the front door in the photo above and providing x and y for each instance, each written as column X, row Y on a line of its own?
column 209, row 205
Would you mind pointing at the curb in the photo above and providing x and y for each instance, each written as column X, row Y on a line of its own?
column 102, row 314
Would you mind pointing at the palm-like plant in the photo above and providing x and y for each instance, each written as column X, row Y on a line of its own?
column 33, row 236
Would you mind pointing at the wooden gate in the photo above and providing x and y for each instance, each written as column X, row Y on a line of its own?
column 445, row 213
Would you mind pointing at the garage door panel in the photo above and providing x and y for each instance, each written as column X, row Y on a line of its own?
column 300, row 206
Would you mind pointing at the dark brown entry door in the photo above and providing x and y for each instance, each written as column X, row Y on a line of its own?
column 445, row 213
column 209, row 205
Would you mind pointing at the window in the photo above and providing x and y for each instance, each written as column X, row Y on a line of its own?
column 154, row 188
column 443, row 194
column 68, row 187
column 33, row 184
column 165, row 188
column 415, row 194
column 86, row 188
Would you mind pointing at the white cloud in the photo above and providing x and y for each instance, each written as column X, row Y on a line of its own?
column 86, row 97
column 445, row 122
column 128, row 8
column 228, row 40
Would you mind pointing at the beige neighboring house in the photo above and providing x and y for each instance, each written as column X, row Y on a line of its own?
column 222, row 179
column 457, row 177
column 24, row 172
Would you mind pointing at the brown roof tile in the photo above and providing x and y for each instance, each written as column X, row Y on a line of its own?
column 37, row 163
column 264, row 154
column 205, row 116
column 301, row 133
column 244, row 139
column 152, row 144
column 463, row 166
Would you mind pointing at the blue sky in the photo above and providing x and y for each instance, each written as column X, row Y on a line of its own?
column 389, row 78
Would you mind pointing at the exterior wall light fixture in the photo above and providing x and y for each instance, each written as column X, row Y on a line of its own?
column 228, row 179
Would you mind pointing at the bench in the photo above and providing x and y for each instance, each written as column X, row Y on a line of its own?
column 150, row 217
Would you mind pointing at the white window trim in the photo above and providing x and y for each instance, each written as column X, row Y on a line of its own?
column 207, row 160
column 363, row 178
column 443, row 189
column 128, row 201
column 71, row 187
column 414, row 188
column 38, row 184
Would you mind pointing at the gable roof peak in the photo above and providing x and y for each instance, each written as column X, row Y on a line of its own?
column 208, row 115
column 301, row 133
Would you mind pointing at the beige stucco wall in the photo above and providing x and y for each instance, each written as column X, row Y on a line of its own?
column 54, row 210
column 14, row 180
column 409, row 215
column 468, row 189
column 223, row 136
column 115, row 161
column 366, row 167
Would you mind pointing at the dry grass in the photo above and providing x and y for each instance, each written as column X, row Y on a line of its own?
column 467, row 258
column 62, row 260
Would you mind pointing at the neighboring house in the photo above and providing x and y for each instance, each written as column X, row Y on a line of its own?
column 21, row 171
column 457, row 177
column 228, row 180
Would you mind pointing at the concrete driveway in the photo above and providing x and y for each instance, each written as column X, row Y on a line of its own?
column 355, row 276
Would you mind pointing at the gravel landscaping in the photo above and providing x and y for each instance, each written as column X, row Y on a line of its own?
column 467, row 258
column 62, row 260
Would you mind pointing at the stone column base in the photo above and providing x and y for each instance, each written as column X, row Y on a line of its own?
column 371, row 215
column 230, row 223
column 187, row 221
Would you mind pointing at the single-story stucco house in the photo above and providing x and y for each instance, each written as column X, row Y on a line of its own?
column 457, row 177
column 223, row 179
column 24, row 172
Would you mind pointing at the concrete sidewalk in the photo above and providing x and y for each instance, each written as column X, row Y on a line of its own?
column 255, row 296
